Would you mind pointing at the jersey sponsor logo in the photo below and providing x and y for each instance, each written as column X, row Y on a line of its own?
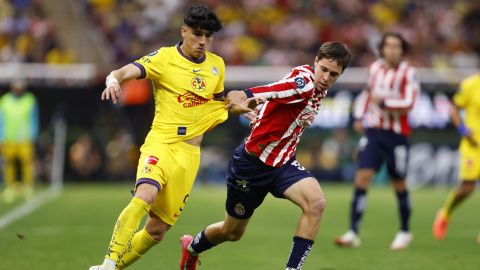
column 215, row 71
column 300, row 82
column 152, row 160
column 239, row 209
column 189, row 100
column 199, row 83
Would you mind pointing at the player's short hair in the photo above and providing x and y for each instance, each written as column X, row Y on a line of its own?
column 202, row 17
column 335, row 51
column 403, row 41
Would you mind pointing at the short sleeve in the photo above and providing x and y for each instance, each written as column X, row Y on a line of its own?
column 152, row 64
column 221, row 82
column 461, row 98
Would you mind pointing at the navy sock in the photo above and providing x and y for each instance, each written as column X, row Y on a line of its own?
column 359, row 203
column 200, row 243
column 298, row 255
column 404, row 209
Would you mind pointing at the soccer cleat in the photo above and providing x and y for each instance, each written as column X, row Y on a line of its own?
column 440, row 225
column 188, row 261
column 349, row 239
column 402, row 241
column 108, row 264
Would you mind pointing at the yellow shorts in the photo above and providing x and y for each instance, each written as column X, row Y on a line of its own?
column 469, row 164
column 172, row 168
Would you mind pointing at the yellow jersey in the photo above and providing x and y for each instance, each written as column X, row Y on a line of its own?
column 184, row 90
column 468, row 98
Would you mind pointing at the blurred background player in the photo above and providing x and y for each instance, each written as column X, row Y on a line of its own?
column 266, row 162
column 382, row 109
column 468, row 100
column 188, row 84
column 19, row 125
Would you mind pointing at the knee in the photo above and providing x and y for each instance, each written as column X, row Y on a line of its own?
column 468, row 188
column 315, row 206
column 146, row 192
column 156, row 232
column 233, row 235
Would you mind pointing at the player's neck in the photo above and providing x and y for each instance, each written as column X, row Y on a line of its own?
column 393, row 65
column 182, row 48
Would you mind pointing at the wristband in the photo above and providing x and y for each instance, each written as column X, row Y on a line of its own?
column 111, row 80
column 248, row 92
column 463, row 130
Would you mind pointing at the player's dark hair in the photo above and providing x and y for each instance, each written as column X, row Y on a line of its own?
column 336, row 51
column 403, row 41
column 202, row 17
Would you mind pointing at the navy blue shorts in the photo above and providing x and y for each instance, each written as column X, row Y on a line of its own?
column 378, row 146
column 249, row 180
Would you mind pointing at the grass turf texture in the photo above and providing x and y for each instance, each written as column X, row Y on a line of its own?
column 72, row 233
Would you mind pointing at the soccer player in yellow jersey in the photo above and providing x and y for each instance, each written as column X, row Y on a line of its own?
column 188, row 83
column 467, row 99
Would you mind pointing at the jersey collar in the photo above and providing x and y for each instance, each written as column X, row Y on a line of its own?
column 199, row 61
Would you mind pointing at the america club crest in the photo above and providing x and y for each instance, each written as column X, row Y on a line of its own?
column 199, row 83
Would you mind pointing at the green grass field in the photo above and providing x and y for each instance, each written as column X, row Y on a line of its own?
column 72, row 233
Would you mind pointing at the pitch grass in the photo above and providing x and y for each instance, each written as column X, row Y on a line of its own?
column 72, row 233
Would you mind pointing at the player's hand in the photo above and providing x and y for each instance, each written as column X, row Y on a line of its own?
column 247, row 106
column 376, row 100
column 113, row 90
column 234, row 98
column 358, row 126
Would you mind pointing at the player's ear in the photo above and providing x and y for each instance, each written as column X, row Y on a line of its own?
column 184, row 31
column 315, row 62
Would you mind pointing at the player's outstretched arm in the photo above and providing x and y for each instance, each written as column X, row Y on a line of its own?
column 113, row 90
column 463, row 130
column 238, row 102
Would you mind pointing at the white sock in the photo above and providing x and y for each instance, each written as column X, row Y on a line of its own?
column 109, row 264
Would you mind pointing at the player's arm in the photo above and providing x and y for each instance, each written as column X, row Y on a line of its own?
column 117, row 77
column 359, row 108
column 460, row 101
column 407, row 99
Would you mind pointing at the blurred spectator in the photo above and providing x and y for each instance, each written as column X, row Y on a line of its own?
column 286, row 32
column 26, row 35
column 18, row 131
column 84, row 158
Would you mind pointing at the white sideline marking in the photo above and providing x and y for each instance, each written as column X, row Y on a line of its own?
column 28, row 206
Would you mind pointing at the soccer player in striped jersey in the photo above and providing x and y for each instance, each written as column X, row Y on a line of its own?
column 381, row 113
column 265, row 162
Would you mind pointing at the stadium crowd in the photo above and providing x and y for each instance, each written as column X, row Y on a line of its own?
column 26, row 34
column 287, row 32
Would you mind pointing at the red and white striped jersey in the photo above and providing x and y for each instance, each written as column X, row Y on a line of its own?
column 398, row 88
column 291, row 106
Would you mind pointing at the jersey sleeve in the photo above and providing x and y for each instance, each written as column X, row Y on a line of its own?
column 360, row 105
column 288, row 90
column 151, row 65
column 462, row 96
column 219, row 90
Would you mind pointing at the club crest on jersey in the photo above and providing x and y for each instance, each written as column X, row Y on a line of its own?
column 300, row 82
column 199, row 83
column 151, row 160
column 215, row 71
column 189, row 100
column 239, row 209
column 147, row 170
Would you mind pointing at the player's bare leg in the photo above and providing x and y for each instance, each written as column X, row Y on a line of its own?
column 308, row 195
column 231, row 229
column 152, row 233
column 440, row 225
column 127, row 223
column 403, row 238
column 363, row 178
